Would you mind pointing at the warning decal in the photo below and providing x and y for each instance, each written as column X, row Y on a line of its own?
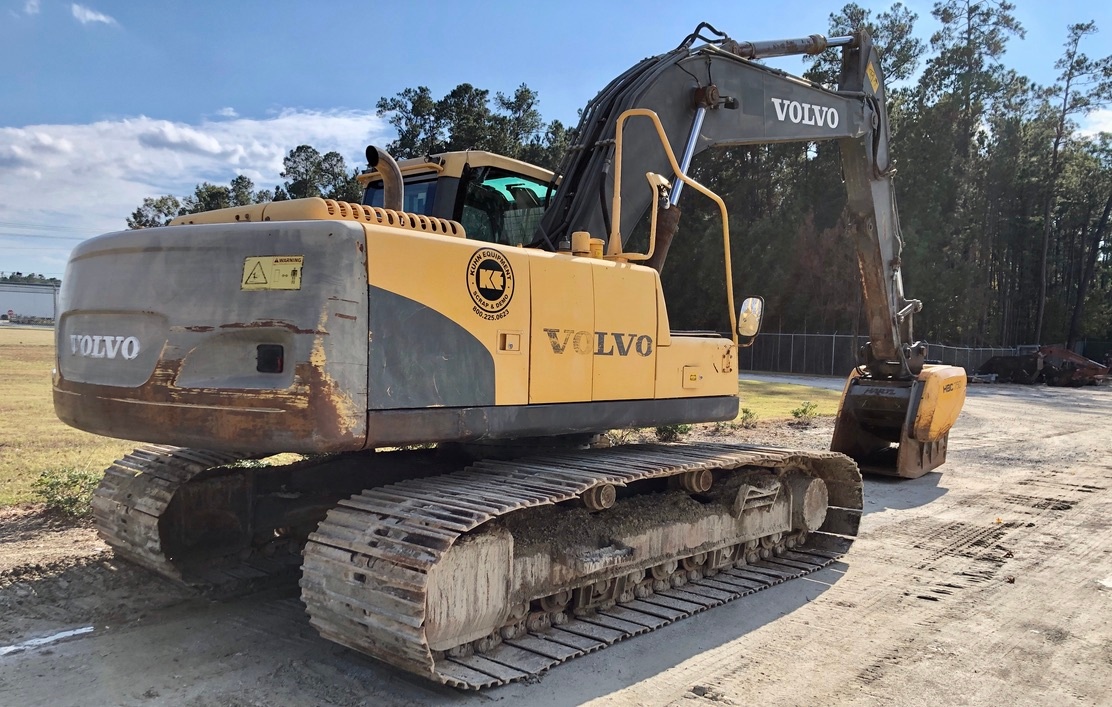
column 873, row 80
column 272, row 272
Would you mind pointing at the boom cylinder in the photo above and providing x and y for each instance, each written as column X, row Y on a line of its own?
column 813, row 44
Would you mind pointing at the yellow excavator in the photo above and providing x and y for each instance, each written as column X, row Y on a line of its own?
column 449, row 354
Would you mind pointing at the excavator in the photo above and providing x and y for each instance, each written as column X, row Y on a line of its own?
column 448, row 356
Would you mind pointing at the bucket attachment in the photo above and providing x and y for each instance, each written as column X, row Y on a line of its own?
column 899, row 428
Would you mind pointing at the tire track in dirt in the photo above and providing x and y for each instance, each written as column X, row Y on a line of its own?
column 952, row 565
column 971, row 564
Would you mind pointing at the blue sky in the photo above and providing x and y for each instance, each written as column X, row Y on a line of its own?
column 103, row 103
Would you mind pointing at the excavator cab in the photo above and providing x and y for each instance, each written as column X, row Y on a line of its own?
column 495, row 198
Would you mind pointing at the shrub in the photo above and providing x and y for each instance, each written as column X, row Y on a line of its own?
column 806, row 412
column 623, row 436
column 67, row 490
column 748, row 418
column 671, row 433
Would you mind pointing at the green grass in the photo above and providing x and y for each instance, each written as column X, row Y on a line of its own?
column 776, row 401
column 32, row 439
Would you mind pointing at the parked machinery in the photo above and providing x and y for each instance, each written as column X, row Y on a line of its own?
column 448, row 354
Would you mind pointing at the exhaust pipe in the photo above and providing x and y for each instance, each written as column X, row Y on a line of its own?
column 393, row 189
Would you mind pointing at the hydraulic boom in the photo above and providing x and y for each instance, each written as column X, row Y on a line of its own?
column 714, row 95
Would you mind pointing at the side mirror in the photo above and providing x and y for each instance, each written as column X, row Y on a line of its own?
column 749, row 320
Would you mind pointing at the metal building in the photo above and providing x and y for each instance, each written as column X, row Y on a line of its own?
column 25, row 302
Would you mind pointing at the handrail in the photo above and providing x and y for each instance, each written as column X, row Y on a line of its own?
column 614, row 246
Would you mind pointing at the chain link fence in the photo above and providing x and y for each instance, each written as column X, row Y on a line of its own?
column 836, row 354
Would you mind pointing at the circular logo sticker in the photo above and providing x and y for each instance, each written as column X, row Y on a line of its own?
column 490, row 279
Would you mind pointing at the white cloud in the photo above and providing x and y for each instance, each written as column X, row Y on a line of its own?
column 171, row 136
column 85, row 15
column 86, row 179
column 1099, row 121
column 31, row 7
column 227, row 112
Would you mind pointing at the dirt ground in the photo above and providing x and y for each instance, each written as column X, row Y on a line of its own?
column 988, row 584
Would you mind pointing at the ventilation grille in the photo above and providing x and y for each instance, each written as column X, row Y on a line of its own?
column 389, row 217
column 317, row 209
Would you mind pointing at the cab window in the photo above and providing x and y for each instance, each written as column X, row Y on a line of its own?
column 418, row 199
column 502, row 207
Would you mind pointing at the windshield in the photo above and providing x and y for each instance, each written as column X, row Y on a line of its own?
column 503, row 207
column 499, row 206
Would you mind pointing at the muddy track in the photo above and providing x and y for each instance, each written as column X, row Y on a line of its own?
column 369, row 565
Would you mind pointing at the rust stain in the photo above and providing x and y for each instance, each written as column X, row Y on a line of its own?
column 347, row 417
column 313, row 413
column 309, row 416
column 346, row 316
column 273, row 324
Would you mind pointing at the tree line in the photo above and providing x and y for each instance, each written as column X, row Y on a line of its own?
column 307, row 173
column 467, row 118
column 1005, row 203
column 29, row 279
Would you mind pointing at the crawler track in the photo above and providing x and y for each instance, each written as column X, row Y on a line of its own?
column 194, row 517
column 367, row 566
column 130, row 508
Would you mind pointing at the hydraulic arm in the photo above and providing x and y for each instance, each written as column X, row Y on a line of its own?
column 716, row 95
